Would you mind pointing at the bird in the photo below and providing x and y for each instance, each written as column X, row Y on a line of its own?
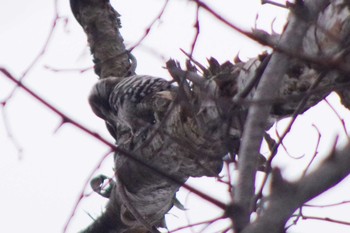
column 135, row 102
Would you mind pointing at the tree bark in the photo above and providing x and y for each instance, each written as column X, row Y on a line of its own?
column 206, row 121
column 287, row 197
column 258, row 114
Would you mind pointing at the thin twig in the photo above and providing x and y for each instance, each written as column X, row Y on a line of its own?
column 287, row 130
column 326, row 219
column 316, row 151
column 339, row 117
column 113, row 147
column 43, row 49
column 148, row 29
column 327, row 205
column 10, row 135
column 81, row 195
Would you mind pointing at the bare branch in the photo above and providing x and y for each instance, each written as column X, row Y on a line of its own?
column 9, row 131
column 205, row 120
column 258, row 114
column 145, row 172
column 287, row 197
column 101, row 24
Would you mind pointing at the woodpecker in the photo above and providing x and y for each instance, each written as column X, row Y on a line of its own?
column 131, row 101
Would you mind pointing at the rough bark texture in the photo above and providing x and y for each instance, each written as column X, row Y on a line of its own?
column 258, row 115
column 204, row 122
column 101, row 24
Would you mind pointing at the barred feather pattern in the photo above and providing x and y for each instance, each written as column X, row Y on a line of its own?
column 128, row 101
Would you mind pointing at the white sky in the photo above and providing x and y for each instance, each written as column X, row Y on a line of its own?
column 40, row 186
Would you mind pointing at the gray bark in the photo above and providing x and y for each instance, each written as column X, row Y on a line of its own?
column 258, row 115
column 287, row 197
column 202, row 124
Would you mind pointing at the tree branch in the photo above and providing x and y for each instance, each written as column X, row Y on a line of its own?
column 198, row 128
column 258, row 114
column 101, row 24
column 287, row 197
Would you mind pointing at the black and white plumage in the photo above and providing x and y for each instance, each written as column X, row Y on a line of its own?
column 130, row 101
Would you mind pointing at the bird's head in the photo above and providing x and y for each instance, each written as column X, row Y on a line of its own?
column 99, row 97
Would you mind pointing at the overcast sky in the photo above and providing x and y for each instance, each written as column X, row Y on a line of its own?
column 43, row 165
